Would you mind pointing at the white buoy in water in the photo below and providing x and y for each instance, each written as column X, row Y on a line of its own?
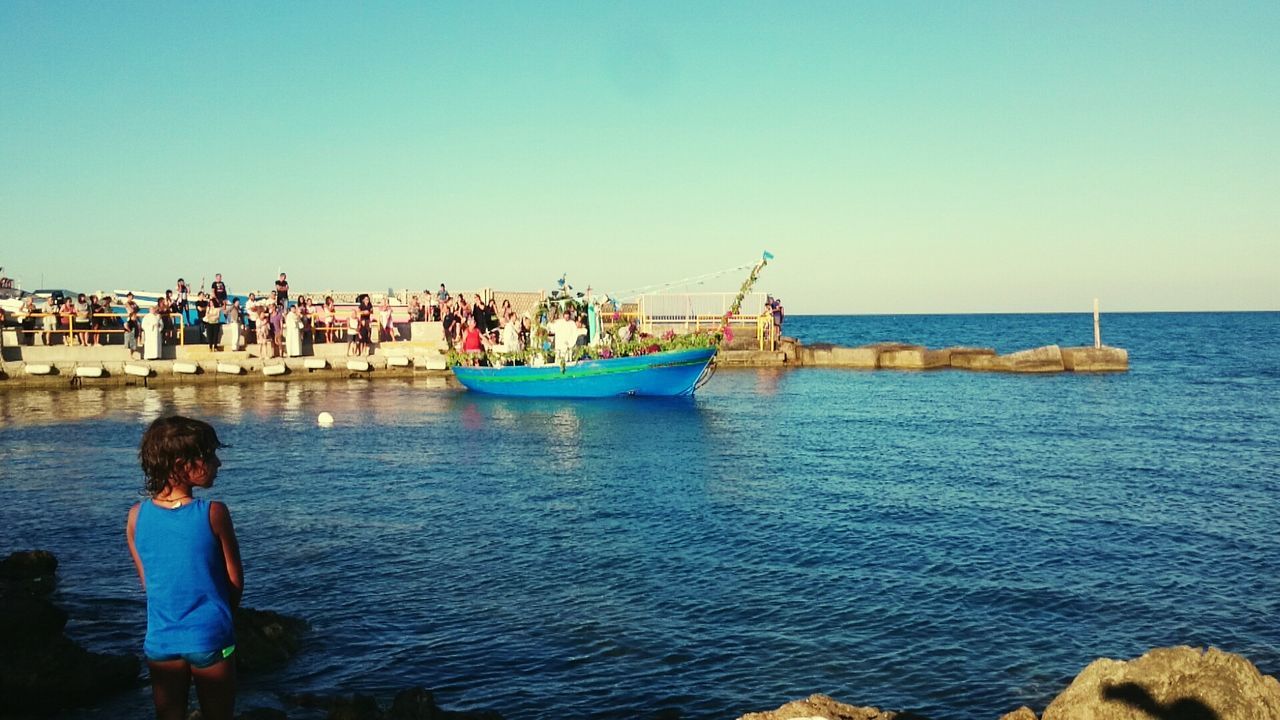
column 325, row 419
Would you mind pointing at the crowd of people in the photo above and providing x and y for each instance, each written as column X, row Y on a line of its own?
column 472, row 325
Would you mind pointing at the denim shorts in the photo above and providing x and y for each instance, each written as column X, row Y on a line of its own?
column 197, row 659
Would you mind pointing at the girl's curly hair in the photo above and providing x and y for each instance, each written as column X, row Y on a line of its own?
column 170, row 440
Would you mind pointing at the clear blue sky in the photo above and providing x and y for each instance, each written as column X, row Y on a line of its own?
column 895, row 156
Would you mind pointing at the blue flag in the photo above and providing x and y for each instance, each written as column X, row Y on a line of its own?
column 768, row 255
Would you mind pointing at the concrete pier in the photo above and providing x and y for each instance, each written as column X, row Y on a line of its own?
column 111, row 365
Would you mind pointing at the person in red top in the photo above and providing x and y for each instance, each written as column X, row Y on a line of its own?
column 471, row 341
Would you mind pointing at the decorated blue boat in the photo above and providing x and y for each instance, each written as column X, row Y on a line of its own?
column 672, row 373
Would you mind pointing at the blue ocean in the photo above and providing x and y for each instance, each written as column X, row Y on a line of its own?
column 952, row 543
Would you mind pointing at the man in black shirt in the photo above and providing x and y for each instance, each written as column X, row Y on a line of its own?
column 219, row 289
column 282, row 291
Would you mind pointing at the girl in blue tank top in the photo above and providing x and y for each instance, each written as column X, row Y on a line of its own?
column 189, row 563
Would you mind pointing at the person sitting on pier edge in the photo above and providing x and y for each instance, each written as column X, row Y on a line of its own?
column 443, row 295
column 415, row 309
column 282, row 290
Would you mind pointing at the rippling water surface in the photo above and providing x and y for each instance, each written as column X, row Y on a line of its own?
column 949, row 542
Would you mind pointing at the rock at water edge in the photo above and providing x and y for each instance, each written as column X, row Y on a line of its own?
column 821, row 707
column 266, row 640
column 1177, row 682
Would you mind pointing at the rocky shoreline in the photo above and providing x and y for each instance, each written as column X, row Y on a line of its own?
column 43, row 672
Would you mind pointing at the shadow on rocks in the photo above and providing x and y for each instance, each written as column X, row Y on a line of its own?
column 1140, row 698
column 42, row 671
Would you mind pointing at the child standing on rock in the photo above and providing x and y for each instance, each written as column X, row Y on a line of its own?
column 188, row 560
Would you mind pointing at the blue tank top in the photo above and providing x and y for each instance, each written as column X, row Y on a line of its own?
column 188, row 594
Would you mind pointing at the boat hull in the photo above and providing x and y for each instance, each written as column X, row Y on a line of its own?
column 666, row 374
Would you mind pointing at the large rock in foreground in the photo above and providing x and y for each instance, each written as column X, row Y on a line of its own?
column 1179, row 683
column 821, row 707
column 41, row 669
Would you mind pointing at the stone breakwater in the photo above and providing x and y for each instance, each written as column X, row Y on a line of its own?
column 58, row 366
column 903, row 356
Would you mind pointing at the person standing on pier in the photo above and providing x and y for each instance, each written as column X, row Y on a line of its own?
column 282, row 290
column 219, row 289
column 213, row 323
column 180, row 300
column 188, row 561
column 202, row 307
column 132, row 330
column 49, row 322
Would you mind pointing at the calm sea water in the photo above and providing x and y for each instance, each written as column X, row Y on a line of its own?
column 949, row 542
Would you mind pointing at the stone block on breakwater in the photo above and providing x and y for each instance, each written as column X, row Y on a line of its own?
column 1091, row 359
column 1036, row 360
column 965, row 358
column 915, row 358
column 828, row 355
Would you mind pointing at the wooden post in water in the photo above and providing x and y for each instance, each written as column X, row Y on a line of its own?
column 1097, row 332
